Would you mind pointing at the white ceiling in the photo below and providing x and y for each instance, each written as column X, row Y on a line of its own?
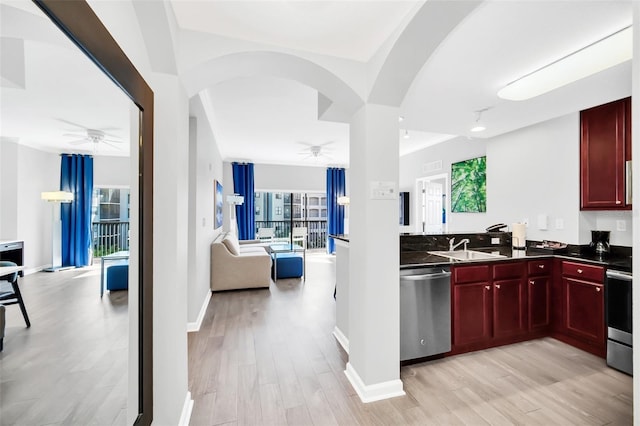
column 64, row 93
column 267, row 120
column 344, row 29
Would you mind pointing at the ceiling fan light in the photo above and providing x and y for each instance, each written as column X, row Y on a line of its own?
column 599, row 56
column 478, row 127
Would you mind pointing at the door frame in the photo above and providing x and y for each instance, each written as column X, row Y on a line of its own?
column 447, row 202
column 77, row 21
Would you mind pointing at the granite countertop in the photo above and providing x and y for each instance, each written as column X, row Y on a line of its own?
column 618, row 262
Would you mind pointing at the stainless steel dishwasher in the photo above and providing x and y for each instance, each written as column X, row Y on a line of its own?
column 425, row 312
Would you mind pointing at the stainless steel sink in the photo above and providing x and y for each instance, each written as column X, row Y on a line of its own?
column 466, row 255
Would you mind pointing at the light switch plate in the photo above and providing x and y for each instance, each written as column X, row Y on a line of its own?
column 383, row 190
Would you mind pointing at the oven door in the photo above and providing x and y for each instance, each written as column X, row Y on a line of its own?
column 618, row 306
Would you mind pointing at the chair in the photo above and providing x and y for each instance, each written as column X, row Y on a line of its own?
column 299, row 235
column 10, row 292
column 266, row 234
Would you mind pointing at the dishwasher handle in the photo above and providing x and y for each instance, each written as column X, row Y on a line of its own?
column 425, row 276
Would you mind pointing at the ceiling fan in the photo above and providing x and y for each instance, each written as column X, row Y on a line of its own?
column 95, row 137
column 315, row 151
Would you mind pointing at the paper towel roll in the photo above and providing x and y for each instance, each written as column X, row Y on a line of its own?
column 519, row 236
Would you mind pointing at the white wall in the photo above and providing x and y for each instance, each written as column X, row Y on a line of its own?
column 530, row 172
column 270, row 177
column 111, row 171
column 205, row 166
column 25, row 216
column 412, row 168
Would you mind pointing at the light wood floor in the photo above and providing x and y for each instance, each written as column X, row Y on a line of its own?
column 268, row 357
column 70, row 367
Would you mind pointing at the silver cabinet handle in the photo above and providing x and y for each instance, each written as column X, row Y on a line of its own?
column 532, row 282
column 598, row 289
column 579, row 271
column 628, row 188
column 487, row 287
column 541, row 266
column 498, row 286
column 618, row 202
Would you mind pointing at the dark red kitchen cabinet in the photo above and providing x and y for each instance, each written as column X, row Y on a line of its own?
column 605, row 142
column 539, row 292
column 509, row 307
column 584, row 310
column 471, row 312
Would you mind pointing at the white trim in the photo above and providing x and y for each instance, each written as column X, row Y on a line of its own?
column 377, row 392
column 187, row 408
column 341, row 338
column 341, row 243
column 195, row 326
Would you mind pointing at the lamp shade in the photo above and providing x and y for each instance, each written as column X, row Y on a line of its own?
column 57, row 196
column 343, row 201
column 235, row 199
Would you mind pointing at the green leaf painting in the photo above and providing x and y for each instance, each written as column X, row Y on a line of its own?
column 469, row 186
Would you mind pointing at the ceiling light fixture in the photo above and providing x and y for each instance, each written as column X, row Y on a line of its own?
column 478, row 125
column 604, row 53
column 406, row 134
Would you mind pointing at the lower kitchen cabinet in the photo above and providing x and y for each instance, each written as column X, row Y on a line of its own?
column 584, row 315
column 471, row 313
column 539, row 312
column 509, row 307
column 539, row 286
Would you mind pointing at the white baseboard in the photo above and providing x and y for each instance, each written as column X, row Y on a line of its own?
column 341, row 338
column 187, row 408
column 371, row 393
column 195, row 326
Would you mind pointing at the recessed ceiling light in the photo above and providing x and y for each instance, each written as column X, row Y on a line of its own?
column 478, row 125
column 605, row 53
column 406, row 134
column 400, row 119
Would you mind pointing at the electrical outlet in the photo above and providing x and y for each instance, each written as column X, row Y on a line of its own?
column 621, row 225
column 559, row 223
column 495, row 240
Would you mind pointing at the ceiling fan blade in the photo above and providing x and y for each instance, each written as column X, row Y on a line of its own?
column 78, row 142
column 112, row 140
column 74, row 135
column 326, row 143
column 111, row 145
column 305, row 143
column 111, row 135
column 71, row 123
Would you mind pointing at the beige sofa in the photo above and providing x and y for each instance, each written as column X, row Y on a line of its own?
column 238, row 266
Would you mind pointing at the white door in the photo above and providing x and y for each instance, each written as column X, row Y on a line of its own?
column 432, row 194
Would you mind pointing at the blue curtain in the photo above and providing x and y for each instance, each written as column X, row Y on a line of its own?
column 335, row 212
column 76, row 176
column 243, row 185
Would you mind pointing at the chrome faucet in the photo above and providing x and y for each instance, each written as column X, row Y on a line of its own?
column 452, row 246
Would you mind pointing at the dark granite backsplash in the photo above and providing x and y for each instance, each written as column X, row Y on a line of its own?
column 426, row 242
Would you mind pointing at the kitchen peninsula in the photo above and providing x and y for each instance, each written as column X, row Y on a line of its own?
column 511, row 296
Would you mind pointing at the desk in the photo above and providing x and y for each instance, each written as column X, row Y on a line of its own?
column 119, row 255
column 13, row 251
column 287, row 248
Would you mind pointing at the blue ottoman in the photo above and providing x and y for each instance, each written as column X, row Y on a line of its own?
column 118, row 277
column 289, row 265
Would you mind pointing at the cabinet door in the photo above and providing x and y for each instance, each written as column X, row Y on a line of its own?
column 602, row 156
column 471, row 313
column 509, row 301
column 584, row 311
column 539, row 301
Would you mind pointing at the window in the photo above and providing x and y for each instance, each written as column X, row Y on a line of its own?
column 110, row 204
column 278, row 210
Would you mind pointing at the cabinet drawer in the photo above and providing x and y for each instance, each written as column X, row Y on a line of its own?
column 582, row 271
column 470, row 274
column 539, row 267
column 505, row 271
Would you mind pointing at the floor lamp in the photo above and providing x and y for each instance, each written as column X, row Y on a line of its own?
column 345, row 201
column 233, row 201
column 56, row 198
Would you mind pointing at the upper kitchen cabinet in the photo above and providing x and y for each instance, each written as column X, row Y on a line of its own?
column 605, row 156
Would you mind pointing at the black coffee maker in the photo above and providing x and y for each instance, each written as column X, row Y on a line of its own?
column 600, row 242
